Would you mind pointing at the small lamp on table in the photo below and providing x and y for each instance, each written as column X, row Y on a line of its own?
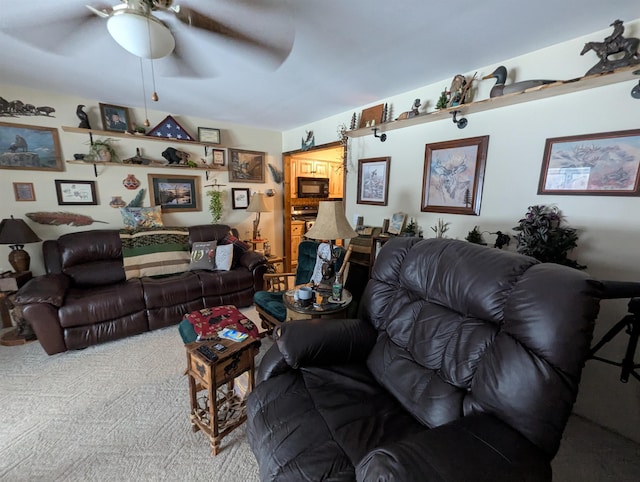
column 258, row 205
column 17, row 233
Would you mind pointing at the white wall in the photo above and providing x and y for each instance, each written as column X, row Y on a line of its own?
column 608, row 226
column 109, row 180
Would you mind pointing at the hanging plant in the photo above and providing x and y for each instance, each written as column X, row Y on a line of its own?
column 541, row 236
column 215, row 205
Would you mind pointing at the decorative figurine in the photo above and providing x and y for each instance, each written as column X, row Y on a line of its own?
column 84, row 118
column 413, row 112
column 308, row 142
column 612, row 45
column 500, row 74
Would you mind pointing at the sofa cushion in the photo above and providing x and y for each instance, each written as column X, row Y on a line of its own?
column 140, row 217
column 152, row 252
column 224, row 257
column 203, row 255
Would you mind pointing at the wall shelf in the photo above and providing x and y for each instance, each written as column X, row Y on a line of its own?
column 560, row 87
column 125, row 135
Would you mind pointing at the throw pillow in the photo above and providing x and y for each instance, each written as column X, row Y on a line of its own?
column 134, row 218
column 239, row 247
column 203, row 256
column 224, row 257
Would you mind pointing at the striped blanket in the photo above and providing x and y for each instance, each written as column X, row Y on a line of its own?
column 155, row 251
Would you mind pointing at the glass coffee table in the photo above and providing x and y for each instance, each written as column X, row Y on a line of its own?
column 297, row 310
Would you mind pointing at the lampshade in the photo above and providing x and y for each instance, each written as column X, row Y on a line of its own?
column 17, row 233
column 331, row 223
column 258, row 203
column 143, row 36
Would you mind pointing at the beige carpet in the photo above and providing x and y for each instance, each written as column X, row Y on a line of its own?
column 120, row 412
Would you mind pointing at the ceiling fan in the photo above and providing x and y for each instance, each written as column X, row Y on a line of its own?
column 154, row 29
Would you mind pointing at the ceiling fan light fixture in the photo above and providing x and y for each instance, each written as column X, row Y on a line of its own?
column 143, row 36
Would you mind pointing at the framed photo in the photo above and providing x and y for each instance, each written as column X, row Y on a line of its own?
column 240, row 197
column 23, row 191
column 246, row 166
column 29, row 147
column 218, row 157
column 605, row 164
column 115, row 118
column 453, row 176
column 207, row 135
column 175, row 193
column 76, row 193
column 373, row 181
column 396, row 225
column 372, row 116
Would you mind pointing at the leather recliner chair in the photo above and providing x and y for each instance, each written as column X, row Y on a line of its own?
column 464, row 366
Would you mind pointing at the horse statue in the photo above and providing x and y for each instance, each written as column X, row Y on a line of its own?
column 612, row 45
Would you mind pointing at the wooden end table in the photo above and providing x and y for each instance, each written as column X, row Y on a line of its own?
column 297, row 311
column 216, row 406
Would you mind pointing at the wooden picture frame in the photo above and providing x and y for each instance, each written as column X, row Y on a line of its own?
column 603, row 164
column 240, row 197
column 207, row 135
column 396, row 224
column 175, row 193
column 454, row 175
column 218, row 156
column 371, row 116
column 76, row 193
column 115, row 118
column 246, row 166
column 373, row 181
column 30, row 147
column 23, row 191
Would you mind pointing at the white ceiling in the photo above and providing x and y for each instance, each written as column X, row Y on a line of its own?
column 346, row 53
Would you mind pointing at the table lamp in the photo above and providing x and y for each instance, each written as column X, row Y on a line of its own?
column 258, row 205
column 331, row 224
column 17, row 233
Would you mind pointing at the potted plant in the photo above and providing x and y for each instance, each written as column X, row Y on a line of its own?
column 410, row 229
column 542, row 236
column 102, row 151
column 475, row 236
column 215, row 205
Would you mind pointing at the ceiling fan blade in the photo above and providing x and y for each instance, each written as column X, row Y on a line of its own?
column 181, row 64
column 193, row 18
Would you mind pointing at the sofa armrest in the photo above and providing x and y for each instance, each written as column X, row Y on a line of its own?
column 48, row 288
column 479, row 448
column 271, row 365
column 325, row 342
column 251, row 260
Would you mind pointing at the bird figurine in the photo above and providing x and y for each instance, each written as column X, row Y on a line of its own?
column 500, row 74
column 84, row 118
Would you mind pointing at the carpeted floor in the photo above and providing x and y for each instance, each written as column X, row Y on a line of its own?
column 120, row 412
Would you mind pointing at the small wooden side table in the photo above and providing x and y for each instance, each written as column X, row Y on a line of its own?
column 216, row 406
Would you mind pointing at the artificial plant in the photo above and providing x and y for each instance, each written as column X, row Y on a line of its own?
column 475, row 236
column 216, row 205
column 101, row 150
column 542, row 236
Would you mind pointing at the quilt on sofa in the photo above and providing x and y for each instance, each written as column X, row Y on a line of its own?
column 155, row 251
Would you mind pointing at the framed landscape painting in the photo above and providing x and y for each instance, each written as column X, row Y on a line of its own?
column 175, row 193
column 29, row 147
column 246, row 166
column 453, row 176
column 605, row 164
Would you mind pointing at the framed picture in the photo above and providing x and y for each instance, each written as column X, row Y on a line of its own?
column 175, row 193
column 605, row 164
column 373, row 181
column 396, row 225
column 218, row 156
column 77, row 193
column 23, row 191
column 29, row 147
column 246, row 166
column 453, row 176
column 240, row 197
column 372, row 116
column 115, row 118
column 207, row 135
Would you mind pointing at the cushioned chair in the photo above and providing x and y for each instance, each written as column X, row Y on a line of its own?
column 464, row 366
column 269, row 303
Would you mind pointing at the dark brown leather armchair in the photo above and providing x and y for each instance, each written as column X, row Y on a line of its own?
column 464, row 366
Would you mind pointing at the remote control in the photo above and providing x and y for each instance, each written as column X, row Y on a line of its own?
column 206, row 352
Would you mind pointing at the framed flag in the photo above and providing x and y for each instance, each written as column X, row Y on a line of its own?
column 170, row 128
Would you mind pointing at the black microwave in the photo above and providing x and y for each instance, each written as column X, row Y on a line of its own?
column 313, row 187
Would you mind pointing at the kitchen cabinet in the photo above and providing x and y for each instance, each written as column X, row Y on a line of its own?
column 336, row 180
column 297, row 231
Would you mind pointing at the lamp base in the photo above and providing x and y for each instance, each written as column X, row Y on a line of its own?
column 19, row 259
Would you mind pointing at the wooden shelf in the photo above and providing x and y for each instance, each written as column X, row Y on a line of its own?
column 536, row 93
column 125, row 135
column 150, row 166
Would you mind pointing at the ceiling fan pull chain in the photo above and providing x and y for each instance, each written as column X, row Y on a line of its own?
column 144, row 95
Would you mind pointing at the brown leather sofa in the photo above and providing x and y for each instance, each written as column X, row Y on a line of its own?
column 85, row 299
column 463, row 367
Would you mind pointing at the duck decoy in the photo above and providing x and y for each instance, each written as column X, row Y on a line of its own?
column 500, row 74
